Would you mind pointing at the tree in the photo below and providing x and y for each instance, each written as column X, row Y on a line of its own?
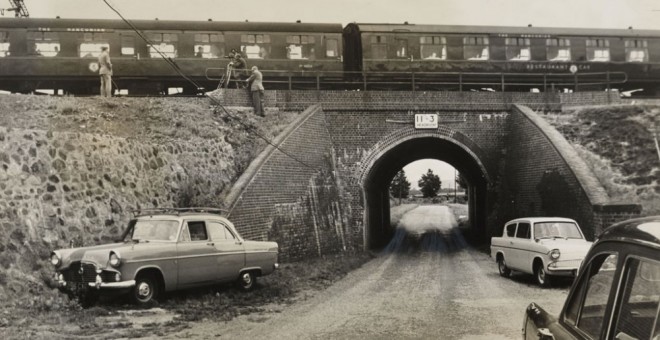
column 461, row 181
column 429, row 184
column 400, row 187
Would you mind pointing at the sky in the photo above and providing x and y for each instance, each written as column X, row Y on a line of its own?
column 643, row 14
column 640, row 14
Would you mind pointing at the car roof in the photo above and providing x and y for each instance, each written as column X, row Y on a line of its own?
column 180, row 213
column 644, row 230
column 541, row 219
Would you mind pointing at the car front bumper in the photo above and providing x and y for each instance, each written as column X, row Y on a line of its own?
column 98, row 284
column 564, row 267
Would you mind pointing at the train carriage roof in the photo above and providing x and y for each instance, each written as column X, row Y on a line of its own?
column 457, row 29
column 170, row 25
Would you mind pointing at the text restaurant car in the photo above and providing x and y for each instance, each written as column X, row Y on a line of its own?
column 617, row 293
column 165, row 250
column 542, row 246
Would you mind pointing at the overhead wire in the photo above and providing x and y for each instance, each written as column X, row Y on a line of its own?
column 178, row 70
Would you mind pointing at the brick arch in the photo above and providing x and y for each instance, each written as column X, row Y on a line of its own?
column 393, row 151
column 396, row 138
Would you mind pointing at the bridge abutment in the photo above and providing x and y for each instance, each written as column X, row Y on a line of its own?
column 516, row 164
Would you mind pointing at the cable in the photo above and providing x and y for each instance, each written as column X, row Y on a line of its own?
column 178, row 70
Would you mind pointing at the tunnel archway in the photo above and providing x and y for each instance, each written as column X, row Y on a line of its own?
column 383, row 164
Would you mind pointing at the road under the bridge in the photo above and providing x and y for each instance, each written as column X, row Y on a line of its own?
column 452, row 292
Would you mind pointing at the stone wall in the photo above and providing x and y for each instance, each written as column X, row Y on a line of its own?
column 60, row 188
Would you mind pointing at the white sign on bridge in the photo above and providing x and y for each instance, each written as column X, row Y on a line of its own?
column 426, row 121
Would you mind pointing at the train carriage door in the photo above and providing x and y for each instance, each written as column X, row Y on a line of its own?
column 401, row 45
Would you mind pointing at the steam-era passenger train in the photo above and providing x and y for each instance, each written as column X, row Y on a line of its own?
column 61, row 55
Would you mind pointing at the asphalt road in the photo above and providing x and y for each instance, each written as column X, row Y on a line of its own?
column 428, row 285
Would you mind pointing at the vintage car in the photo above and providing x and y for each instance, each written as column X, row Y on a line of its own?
column 617, row 293
column 542, row 246
column 165, row 250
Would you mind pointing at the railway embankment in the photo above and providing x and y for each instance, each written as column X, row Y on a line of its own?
column 72, row 169
column 618, row 143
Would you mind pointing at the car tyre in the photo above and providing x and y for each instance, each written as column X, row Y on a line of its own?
column 246, row 281
column 542, row 277
column 145, row 290
column 501, row 266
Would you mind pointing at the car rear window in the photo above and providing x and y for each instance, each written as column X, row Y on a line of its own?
column 511, row 230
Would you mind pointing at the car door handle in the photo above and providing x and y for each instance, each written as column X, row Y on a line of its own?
column 511, row 242
column 210, row 244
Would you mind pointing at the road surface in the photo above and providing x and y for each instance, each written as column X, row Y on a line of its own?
column 430, row 285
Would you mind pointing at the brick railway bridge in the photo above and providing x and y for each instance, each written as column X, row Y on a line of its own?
column 353, row 143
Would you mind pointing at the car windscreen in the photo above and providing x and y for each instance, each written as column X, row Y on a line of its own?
column 155, row 230
column 556, row 229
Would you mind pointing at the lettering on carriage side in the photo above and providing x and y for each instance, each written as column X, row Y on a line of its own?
column 507, row 35
column 85, row 29
column 552, row 66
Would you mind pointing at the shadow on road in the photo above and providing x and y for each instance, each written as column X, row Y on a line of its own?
column 439, row 241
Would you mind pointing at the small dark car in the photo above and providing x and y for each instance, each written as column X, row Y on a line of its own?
column 617, row 292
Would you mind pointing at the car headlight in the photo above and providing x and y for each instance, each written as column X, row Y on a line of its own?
column 554, row 254
column 55, row 259
column 115, row 259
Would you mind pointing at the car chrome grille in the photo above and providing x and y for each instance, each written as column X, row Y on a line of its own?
column 75, row 274
column 568, row 263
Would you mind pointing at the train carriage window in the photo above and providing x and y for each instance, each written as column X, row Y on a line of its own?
column 637, row 50
column 166, row 43
column 598, row 50
column 255, row 46
column 378, row 47
column 209, row 45
column 475, row 48
column 433, row 48
column 45, row 44
column 331, row 48
column 558, row 49
column 300, row 47
column 92, row 43
column 127, row 45
column 4, row 44
column 517, row 49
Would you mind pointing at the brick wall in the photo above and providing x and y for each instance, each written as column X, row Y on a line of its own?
column 544, row 176
column 419, row 100
column 279, row 198
column 527, row 163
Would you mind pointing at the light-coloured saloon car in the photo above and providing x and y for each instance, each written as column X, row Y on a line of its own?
column 165, row 250
column 542, row 246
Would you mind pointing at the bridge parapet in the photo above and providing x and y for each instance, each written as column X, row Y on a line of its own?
column 421, row 100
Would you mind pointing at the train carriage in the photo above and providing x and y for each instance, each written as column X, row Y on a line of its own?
column 509, row 58
column 60, row 54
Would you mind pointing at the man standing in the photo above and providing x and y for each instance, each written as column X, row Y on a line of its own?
column 105, row 71
column 257, row 90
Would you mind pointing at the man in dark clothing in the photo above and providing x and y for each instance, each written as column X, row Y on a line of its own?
column 240, row 67
column 105, row 71
column 257, row 89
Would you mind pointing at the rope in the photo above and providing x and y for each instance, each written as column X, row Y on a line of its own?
column 178, row 70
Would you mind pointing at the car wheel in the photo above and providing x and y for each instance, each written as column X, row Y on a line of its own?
column 542, row 277
column 501, row 266
column 145, row 290
column 246, row 281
